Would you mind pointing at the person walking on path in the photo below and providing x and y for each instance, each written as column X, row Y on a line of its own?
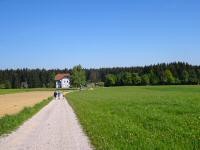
column 62, row 96
column 59, row 95
column 55, row 94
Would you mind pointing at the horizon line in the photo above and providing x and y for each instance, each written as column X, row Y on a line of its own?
column 70, row 68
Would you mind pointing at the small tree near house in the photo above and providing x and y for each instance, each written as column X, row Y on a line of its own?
column 78, row 76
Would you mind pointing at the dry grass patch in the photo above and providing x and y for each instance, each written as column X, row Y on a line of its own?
column 13, row 103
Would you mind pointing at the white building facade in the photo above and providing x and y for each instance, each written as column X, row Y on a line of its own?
column 62, row 81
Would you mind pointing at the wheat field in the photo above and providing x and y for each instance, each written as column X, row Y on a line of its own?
column 13, row 103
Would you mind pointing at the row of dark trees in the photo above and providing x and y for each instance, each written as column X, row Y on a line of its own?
column 160, row 74
column 31, row 78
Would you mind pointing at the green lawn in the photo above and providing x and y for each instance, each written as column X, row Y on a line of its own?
column 11, row 91
column 146, row 118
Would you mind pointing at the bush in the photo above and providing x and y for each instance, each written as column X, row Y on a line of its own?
column 169, row 79
column 145, row 80
column 127, row 78
column 110, row 80
column 136, row 79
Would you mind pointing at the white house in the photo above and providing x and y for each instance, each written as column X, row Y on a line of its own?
column 62, row 80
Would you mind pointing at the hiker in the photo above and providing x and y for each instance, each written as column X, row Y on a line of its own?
column 58, row 95
column 62, row 96
column 55, row 94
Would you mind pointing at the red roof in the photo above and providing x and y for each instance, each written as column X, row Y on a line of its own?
column 60, row 76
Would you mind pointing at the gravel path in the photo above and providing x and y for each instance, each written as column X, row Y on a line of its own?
column 55, row 127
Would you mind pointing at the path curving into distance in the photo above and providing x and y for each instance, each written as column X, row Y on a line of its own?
column 55, row 127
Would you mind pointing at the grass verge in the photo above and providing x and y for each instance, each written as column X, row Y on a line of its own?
column 9, row 123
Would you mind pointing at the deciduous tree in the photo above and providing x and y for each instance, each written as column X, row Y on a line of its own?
column 110, row 80
column 78, row 76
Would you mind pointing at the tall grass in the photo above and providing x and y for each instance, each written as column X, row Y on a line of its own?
column 9, row 123
column 146, row 118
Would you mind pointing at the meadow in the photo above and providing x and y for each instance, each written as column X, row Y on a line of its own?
column 143, row 117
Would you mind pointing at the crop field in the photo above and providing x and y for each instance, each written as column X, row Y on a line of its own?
column 126, row 118
column 11, row 91
column 13, row 103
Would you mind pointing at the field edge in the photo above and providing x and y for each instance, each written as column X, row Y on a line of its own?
column 9, row 123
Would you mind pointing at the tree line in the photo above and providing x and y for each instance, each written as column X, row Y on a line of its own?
column 176, row 73
column 28, row 78
column 159, row 74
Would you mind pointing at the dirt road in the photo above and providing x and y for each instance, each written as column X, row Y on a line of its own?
column 55, row 127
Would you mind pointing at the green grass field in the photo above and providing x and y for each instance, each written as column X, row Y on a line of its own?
column 145, row 118
column 12, row 91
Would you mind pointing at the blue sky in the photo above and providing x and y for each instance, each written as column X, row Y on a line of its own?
column 98, row 33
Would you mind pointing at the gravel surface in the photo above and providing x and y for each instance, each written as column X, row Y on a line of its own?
column 55, row 127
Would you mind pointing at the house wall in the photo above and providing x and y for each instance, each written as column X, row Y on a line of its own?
column 58, row 84
column 64, row 83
